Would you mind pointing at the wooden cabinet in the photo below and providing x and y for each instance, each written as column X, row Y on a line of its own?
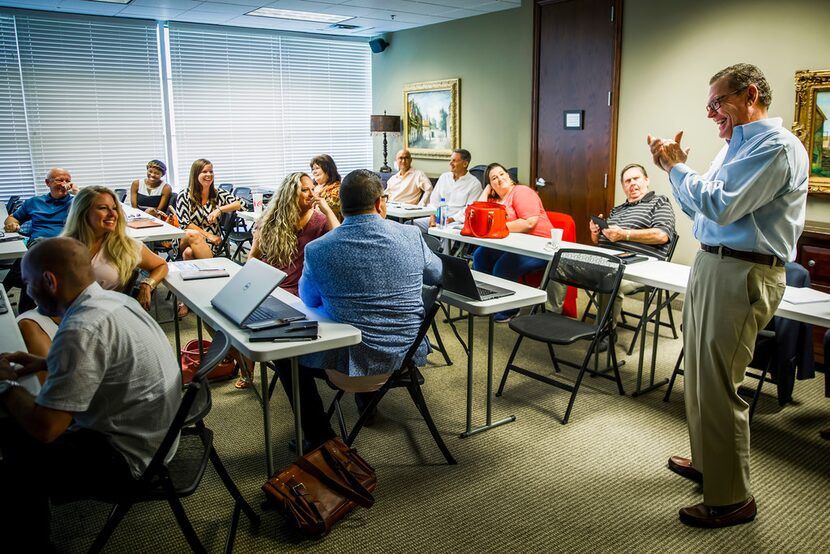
column 814, row 254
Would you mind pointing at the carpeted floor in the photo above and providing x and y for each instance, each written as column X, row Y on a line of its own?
column 597, row 484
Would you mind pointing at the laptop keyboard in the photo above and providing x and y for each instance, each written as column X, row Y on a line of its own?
column 262, row 313
column 484, row 291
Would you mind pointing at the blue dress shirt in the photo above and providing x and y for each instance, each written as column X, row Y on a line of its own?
column 368, row 272
column 47, row 214
column 754, row 195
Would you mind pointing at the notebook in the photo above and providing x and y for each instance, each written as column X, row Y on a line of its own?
column 294, row 331
column 144, row 223
column 458, row 279
column 246, row 299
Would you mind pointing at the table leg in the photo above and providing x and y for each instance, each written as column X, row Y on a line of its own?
column 470, row 350
column 489, row 424
column 295, row 394
column 266, row 419
column 652, row 384
column 176, row 328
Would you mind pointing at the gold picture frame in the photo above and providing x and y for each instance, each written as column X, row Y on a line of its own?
column 431, row 122
column 811, row 126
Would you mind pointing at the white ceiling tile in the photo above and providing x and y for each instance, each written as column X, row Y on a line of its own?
column 400, row 6
column 160, row 14
column 201, row 17
column 34, row 4
column 231, row 10
column 92, row 8
column 169, row 4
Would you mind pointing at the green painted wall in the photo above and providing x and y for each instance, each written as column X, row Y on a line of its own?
column 492, row 55
column 670, row 50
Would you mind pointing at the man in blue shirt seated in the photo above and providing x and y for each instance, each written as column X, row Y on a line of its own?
column 748, row 211
column 368, row 272
column 47, row 215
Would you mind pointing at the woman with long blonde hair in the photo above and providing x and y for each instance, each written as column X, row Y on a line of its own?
column 97, row 220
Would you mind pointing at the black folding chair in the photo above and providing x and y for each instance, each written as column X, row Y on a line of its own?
column 181, row 476
column 595, row 273
column 407, row 376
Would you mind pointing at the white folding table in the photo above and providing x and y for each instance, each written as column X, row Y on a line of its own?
column 197, row 295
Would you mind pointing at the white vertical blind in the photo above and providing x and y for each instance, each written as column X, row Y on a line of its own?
column 15, row 163
column 260, row 105
column 93, row 97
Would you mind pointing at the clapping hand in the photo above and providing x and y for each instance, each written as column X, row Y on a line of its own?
column 667, row 153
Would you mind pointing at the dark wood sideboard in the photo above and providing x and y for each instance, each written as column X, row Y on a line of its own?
column 814, row 254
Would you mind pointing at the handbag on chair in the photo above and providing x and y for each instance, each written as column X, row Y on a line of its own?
column 485, row 220
column 317, row 490
column 191, row 361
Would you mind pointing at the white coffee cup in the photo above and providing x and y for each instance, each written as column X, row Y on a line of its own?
column 555, row 237
column 257, row 196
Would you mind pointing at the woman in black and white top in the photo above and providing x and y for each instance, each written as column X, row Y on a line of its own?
column 200, row 209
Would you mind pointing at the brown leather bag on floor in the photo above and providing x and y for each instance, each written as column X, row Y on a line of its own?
column 319, row 489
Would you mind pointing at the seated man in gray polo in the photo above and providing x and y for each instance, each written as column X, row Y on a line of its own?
column 112, row 390
column 643, row 224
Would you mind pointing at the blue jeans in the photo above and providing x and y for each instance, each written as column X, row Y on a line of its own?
column 505, row 264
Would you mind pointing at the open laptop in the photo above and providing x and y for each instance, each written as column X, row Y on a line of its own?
column 246, row 299
column 458, row 279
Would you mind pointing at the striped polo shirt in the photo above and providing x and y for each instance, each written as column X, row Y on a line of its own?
column 650, row 212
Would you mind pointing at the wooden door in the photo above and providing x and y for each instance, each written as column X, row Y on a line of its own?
column 576, row 69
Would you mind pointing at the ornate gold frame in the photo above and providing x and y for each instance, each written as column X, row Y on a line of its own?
column 807, row 85
column 454, row 132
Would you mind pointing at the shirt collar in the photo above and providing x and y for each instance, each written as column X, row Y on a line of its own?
column 746, row 131
column 649, row 195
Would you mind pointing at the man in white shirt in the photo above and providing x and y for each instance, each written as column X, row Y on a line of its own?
column 408, row 185
column 457, row 187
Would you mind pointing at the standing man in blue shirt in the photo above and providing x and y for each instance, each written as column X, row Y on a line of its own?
column 748, row 211
column 47, row 214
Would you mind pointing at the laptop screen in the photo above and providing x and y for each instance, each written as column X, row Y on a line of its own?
column 247, row 289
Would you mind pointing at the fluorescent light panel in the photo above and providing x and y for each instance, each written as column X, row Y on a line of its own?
column 300, row 16
column 114, row 1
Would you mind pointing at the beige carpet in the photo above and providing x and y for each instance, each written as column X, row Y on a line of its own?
column 597, row 484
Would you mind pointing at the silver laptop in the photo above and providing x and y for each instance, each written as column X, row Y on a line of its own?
column 246, row 299
column 458, row 279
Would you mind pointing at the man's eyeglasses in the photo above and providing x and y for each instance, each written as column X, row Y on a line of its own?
column 714, row 105
column 385, row 197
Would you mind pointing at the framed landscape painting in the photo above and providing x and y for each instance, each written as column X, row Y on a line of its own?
column 812, row 125
column 431, row 120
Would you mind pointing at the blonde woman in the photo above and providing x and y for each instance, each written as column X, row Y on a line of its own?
column 97, row 220
column 294, row 217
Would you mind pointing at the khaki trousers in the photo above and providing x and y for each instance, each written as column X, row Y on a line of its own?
column 727, row 302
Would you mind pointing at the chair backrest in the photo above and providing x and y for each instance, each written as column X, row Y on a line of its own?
column 195, row 405
column 171, row 205
column 121, row 194
column 514, row 174
column 227, row 224
column 228, row 187
column 564, row 222
column 433, row 243
column 478, row 173
column 245, row 194
column 13, row 203
column 673, row 240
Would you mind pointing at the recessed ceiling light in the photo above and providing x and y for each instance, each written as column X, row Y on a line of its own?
column 300, row 16
column 114, row 1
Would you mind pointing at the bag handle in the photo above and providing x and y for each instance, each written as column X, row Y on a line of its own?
column 359, row 495
column 489, row 224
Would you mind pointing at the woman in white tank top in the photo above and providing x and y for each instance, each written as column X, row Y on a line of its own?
column 152, row 185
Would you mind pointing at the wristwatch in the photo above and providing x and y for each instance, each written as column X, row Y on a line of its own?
column 7, row 385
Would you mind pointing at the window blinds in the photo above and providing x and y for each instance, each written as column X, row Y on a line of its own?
column 93, row 97
column 15, row 163
column 260, row 105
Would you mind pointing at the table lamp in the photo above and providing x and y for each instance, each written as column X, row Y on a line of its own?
column 385, row 124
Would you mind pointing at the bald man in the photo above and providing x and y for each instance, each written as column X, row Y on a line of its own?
column 408, row 185
column 47, row 215
column 112, row 389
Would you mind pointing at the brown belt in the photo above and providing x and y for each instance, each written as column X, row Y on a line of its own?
column 754, row 257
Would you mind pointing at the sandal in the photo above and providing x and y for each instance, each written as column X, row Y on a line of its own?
column 182, row 310
column 243, row 383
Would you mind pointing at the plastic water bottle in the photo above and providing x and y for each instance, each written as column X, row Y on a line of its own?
column 441, row 216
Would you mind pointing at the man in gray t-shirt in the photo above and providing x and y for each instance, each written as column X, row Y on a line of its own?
column 112, row 390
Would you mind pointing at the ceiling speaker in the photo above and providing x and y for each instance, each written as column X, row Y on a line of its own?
column 378, row 45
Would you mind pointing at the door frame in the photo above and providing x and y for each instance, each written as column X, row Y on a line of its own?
column 615, row 94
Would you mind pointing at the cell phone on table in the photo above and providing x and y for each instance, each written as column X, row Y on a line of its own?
column 626, row 255
column 599, row 222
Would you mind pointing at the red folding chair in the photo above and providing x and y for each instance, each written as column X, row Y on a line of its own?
column 534, row 279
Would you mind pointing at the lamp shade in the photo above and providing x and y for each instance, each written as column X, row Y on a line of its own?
column 385, row 124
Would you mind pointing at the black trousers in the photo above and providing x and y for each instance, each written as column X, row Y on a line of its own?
column 316, row 426
column 14, row 278
column 77, row 465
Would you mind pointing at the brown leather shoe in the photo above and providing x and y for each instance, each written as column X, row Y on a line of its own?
column 683, row 467
column 701, row 515
column 825, row 434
